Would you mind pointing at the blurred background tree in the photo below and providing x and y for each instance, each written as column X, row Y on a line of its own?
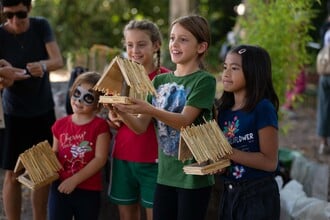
column 283, row 28
column 79, row 24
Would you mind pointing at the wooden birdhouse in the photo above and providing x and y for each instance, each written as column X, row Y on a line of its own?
column 40, row 164
column 124, row 78
column 207, row 144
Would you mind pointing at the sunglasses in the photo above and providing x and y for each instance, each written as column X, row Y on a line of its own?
column 18, row 14
column 84, row 96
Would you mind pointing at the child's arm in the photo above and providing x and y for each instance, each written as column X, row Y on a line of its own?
column 267, row 158
column 55, row 144
column 96, row 164
column 147, row 111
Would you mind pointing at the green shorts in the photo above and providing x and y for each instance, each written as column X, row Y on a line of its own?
column 131, row 182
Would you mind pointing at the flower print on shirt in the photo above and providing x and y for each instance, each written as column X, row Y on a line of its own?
column 231, row 128
column 78, row 160
column 237, row 171
column 171, row 97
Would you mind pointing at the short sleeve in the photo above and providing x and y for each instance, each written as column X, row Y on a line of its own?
column 326, row 40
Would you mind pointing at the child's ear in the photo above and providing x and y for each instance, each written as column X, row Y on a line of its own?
column 202, row 47
column 156, row 46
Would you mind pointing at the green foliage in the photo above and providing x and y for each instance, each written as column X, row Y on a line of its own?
column 79, row 24
column 282, row 28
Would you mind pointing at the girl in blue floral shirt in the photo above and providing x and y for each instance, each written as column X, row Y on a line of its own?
column 248, row 117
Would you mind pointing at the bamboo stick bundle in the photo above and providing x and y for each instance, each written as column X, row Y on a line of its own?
column 123, row 71
column 225, row 148
column 211, row 132
column 29, row 166
column 208, row 146
column 48, row 168
column 44, row 149
column 37, row 172
column 41, row 166
column 139, row 79
column 208, row 143
column 198, row 144
column 190, row 142
column 40, row 162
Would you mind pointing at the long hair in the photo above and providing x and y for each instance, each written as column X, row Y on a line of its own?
column 257, row 70
column 152, row 30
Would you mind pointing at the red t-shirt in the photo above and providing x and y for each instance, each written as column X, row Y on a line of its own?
column 141, row 148
column 76, row 148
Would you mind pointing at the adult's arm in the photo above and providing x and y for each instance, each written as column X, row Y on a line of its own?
column 54, row 62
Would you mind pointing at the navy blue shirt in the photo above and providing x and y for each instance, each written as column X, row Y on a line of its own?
column 31, row 97
column 241, row 130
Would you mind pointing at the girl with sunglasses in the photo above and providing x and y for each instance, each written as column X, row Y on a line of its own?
column 81, row 142
column 27, row 43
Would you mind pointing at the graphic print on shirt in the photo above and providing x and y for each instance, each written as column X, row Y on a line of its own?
column 171, row 97
column 75, row 152
column 230, row 129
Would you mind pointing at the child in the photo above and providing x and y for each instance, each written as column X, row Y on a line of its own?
column 248, row 117
column 135, row 156
column 184, row 97
column 81, row 142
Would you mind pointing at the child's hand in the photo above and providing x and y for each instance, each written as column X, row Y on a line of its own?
column 136, row 107
column 67, row 186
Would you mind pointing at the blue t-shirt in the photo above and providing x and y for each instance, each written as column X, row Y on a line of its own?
column 33, row 96
column 241, row 130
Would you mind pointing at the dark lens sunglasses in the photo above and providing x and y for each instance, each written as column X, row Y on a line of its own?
column 18, row 14
column 82, row 95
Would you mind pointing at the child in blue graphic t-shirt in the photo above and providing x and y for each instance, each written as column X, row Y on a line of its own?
column 247, row 114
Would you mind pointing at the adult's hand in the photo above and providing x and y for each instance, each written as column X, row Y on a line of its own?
column 9, row 74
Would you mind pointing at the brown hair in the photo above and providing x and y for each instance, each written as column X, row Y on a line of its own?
column 199, row 27
column 90, row 78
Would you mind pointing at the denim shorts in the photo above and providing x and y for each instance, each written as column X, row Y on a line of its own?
column 250, row 200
